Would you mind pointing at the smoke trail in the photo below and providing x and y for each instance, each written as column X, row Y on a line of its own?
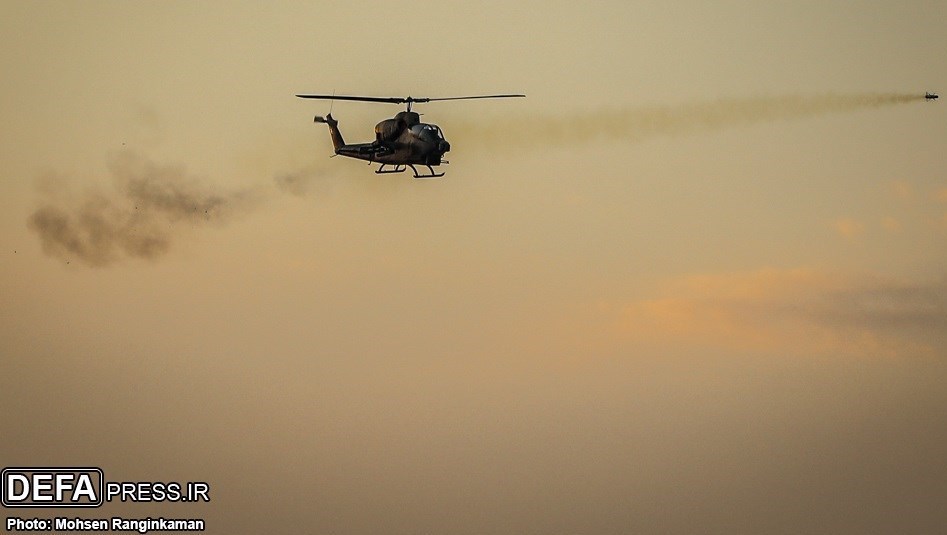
column 304, row 181
column 643, row 123
column 150, row 204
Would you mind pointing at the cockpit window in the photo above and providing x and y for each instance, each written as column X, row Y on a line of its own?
column 433, row 130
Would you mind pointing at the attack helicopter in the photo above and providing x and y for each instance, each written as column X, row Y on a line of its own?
column 400, row 142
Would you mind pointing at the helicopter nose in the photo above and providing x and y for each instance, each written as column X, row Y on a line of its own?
column 443, row 146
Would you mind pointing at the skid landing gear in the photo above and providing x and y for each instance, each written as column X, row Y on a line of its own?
column 399, row 168
column 382, row 171
column 431, row 175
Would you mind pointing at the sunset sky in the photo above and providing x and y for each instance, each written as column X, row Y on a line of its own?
column 695, row 282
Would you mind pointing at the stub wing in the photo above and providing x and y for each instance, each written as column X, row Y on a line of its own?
column 364, row 151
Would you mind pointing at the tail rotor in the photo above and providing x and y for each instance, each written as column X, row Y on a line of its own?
column 325, row 120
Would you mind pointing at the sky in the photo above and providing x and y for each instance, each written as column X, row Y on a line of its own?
column 694, row 282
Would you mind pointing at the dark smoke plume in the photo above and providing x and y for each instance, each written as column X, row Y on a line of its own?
column 149, row 206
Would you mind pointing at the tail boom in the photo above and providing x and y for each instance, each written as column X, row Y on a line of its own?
column 337, row 141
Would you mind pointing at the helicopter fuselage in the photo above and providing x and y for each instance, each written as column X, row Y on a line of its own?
column 399, row 142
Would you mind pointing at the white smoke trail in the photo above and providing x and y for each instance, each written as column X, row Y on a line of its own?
column 641, row 123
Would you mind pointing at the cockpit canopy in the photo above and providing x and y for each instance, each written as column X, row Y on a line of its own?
column 428, row 132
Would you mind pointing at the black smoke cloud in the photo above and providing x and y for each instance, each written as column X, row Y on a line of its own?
column 149, row 206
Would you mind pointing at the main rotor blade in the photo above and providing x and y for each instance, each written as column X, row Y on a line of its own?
column 401, row 100
column 391, row 100
column 468, row 98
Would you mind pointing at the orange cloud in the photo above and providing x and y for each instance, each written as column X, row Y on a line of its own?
column 891, row 224
column 901, row 190
column 942, row 197
column 847, row 227
column 799, row 311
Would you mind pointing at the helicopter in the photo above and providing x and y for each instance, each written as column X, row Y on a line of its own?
column 400, row 142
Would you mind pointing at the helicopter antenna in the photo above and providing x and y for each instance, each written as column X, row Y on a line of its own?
column 402, row 100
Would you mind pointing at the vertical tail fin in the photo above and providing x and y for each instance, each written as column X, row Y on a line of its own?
column 337, row 141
